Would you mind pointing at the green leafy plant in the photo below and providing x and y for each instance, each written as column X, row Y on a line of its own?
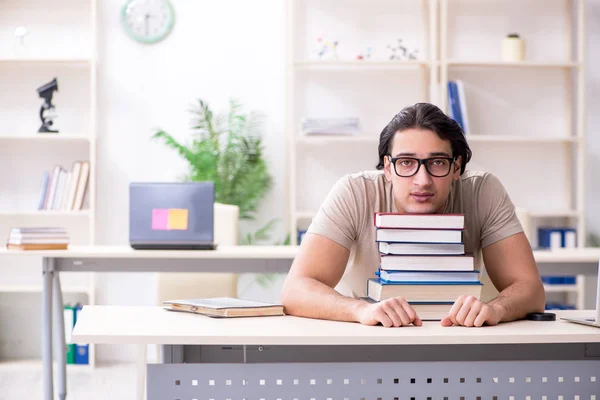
column 227, row 149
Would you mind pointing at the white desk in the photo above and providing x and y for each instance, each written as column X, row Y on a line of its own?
column 261, row 259
column 239, row 259
column 289, row 357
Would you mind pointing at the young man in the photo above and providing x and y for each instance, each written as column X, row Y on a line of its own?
column 423, row 154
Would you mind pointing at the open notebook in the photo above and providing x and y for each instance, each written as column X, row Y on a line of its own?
column 225, row 307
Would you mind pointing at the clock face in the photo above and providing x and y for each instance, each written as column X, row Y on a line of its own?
column 148, row 21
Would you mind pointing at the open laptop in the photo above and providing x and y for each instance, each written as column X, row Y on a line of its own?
column 172, row 215
column 591, row 321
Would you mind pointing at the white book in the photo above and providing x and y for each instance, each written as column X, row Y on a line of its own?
column 419, row 235
column 419, row 221
column 82, row 185
column 432, row 262
column 72, row 191
column 421, row 248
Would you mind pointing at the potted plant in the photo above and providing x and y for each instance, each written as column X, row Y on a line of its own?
column 227, row 149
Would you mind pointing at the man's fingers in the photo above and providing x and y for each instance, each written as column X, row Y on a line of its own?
column 483, row 316
column 472, row 315
column 447, row 321
column 461, row 316
column 391, row 311
column 382, row 317
column 411, row 313
column 455, row 309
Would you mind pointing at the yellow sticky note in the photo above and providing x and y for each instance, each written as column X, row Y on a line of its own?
column 178, row 219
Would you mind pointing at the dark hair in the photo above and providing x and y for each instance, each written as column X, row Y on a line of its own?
column 429, row 117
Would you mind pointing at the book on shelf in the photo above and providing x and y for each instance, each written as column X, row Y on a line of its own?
column 457, row 104
column 419, row 221
column 433, row 262
column 37, row 238
column 225, row 307
column 422, row 291
column 64, row 190
column 422, row 248
column 428, row 276
column 419, row 235
column 331, row 126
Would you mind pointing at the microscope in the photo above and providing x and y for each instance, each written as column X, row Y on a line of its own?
column 47, row 109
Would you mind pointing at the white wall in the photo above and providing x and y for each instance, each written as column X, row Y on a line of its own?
column 217, row 49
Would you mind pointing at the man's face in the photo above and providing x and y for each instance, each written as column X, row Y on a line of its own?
column 422, row 192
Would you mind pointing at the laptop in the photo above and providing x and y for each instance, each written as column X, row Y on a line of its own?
column 172, row 216
column 591, row 321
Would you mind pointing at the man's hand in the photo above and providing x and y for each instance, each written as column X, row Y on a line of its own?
column 470, row 311
column 391, row 312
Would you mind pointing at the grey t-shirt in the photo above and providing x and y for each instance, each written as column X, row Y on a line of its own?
column 346, row 217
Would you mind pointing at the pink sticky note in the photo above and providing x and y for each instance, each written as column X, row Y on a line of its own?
column 160, row 219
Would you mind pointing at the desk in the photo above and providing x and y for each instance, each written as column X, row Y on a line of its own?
column 260, row 259
column 300, row 358
column 237, row 259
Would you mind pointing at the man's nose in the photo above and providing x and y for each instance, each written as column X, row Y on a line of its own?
column 422, row 177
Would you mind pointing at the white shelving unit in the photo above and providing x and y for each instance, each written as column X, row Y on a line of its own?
column 554, row 136
column 526, row 118
column 68, row 54
column 370, row 89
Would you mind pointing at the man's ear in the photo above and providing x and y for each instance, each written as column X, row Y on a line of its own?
column 387, row 168
column 457, row 167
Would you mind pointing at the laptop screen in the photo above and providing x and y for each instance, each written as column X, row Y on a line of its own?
column 171, row 213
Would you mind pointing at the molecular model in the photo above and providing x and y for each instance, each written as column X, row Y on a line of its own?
column 400, row 52
column 326, row 49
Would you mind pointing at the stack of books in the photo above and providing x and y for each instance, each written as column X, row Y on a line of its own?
column 423, row 259
column 38, row 238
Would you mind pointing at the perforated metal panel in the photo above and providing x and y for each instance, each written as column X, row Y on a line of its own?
column 506, row 380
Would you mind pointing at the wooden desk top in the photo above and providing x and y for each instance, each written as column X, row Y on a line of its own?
column 155, row 325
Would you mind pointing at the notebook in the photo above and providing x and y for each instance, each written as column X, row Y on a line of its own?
column 225, row 307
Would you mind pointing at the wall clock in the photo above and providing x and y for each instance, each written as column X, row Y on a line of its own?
column 148, row 21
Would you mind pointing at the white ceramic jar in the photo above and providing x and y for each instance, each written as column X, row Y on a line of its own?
column 513, row 48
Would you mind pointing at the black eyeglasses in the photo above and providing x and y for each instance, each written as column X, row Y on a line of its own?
column 406, row 167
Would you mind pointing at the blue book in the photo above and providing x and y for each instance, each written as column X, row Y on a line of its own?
column 81, row 350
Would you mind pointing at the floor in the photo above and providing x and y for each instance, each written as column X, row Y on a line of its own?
column 23, row 380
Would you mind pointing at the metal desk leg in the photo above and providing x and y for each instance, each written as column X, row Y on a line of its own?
column 142, row 361
column 47, row 275
column 61, row 348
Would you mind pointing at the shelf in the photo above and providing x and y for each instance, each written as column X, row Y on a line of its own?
column 521, row 64
column 38, row 289
column 44, row 213
column 359, row 65
column 44, row 137
column 519, row 139
column 67, row 61
column 326, row 139
column 561, row 288
column 554, row 214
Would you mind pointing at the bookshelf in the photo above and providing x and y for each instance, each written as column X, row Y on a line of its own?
column 345, row 86
column 68, row 54
column 527, row 118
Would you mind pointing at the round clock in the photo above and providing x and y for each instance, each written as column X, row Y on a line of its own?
column 148, row 21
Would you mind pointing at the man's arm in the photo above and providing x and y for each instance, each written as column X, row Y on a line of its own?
column 512, row 269
column 308, row 290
